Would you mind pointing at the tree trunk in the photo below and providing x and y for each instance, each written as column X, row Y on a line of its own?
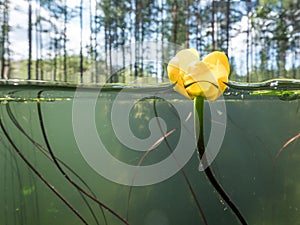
column 40, row 47
column 92, row 47
column 111, row 79
column 81, row 44
column 55, row 57
column 29, row 62
column 198, row 26
column 137, row 37
column 187, row 36
column 213, row 25
column 4, row 49
column 175, row 24
column 65, row 41
column 248, row 41
column 37, row 63
column 227, row 26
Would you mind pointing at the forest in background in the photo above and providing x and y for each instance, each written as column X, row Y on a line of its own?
column 112, row 38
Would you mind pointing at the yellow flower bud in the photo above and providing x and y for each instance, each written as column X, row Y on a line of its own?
column 193, row 77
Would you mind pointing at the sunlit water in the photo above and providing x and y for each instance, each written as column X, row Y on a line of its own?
column 263, row 183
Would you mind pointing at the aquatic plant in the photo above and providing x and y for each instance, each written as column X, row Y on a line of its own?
column 30, row 199
column 163, row 138
column 201, row 80
column 84, row 190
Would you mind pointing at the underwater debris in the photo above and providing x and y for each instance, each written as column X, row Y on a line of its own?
column 287, row 144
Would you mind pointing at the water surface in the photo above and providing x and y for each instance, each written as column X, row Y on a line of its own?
column 261, row 122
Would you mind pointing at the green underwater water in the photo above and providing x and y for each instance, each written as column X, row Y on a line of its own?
column 264, row 185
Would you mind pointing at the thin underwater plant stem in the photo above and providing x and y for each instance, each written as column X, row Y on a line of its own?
column 66, row 176
column 40, row 176
column 287, row 143
column 46, row 153
column 182, row 171
column 22, row 216
column 140, row 163
column 14, row 167
column 164, row 138
column 199, row 129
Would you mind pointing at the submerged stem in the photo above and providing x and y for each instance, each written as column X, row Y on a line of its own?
column 199, row 120
column 62, row 171
column 38, row 174
column 164, row 138
column 45, row 152
column 199, row 130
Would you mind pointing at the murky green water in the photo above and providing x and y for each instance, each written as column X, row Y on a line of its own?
column 38, row 130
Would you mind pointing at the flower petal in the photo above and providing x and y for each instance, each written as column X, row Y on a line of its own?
column 193, row 77
column 183, row 58
column 173, row 70
column 217, row 58
column 220, row 67
column 201, row 80
column 179, row 87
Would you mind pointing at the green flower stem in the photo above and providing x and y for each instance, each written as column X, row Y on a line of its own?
column 199, row 131
column 199, row 120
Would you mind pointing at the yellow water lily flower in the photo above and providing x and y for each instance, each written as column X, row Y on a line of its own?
column 193, row 77
column 198, row 80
